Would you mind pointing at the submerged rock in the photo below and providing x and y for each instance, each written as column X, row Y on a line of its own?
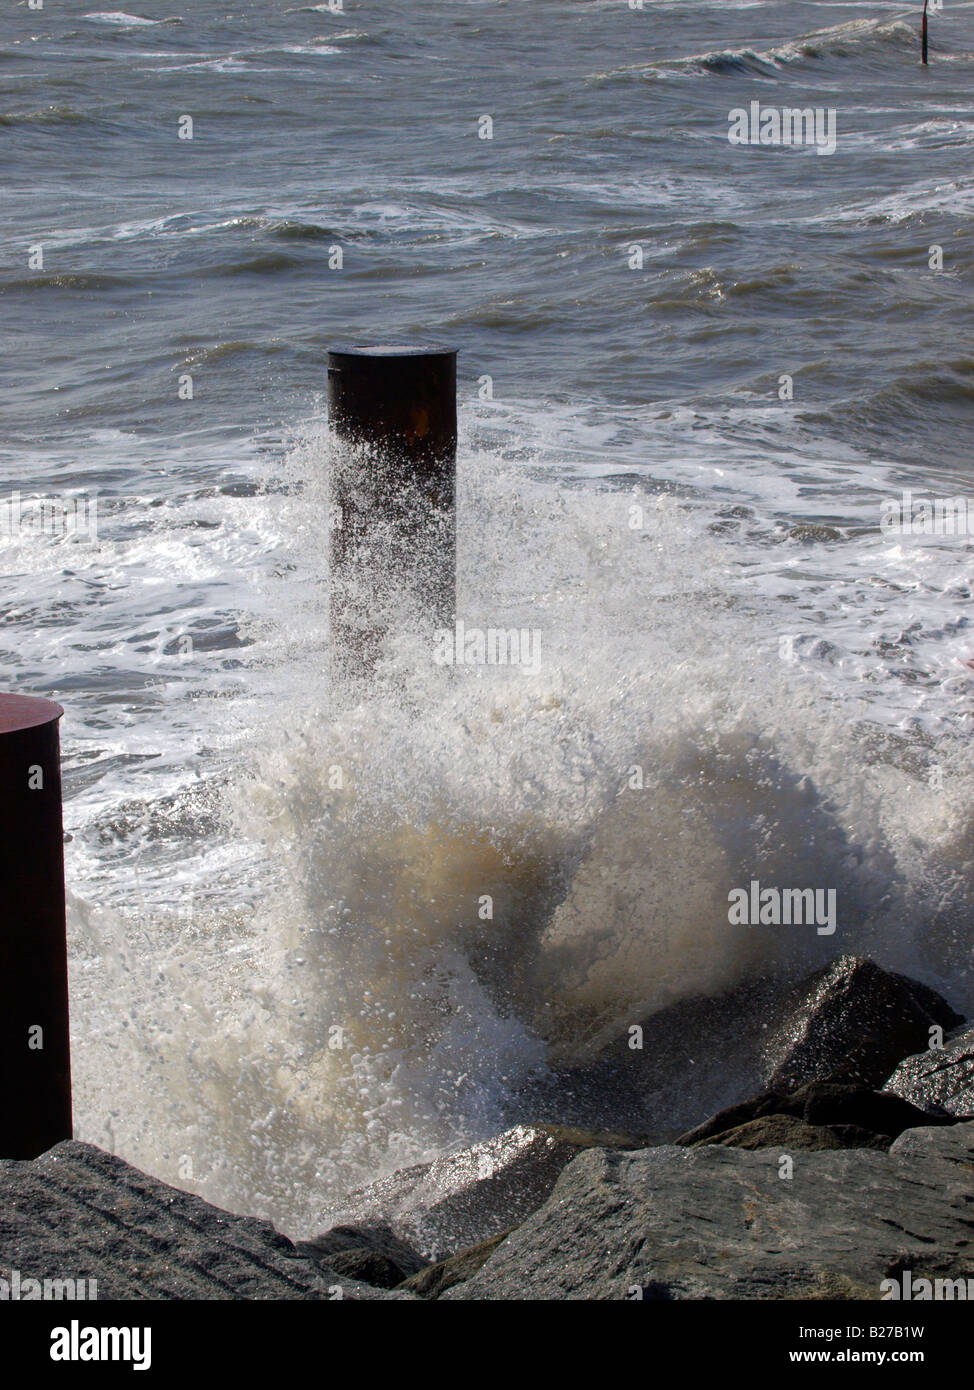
column 939, row 1079
column 851, row 1020
column 696, row 1056
column 715, row 1222
column 81, row 1214
column 813, row 531
column 470, row 1196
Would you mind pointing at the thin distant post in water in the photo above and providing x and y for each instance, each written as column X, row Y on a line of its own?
column 393, row 415
column 923, row 33
column 35, row 1098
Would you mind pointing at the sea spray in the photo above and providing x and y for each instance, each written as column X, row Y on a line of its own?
column 364, row 1009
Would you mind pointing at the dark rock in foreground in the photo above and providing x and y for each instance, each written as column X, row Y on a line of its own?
column 855, row 1116
column 436, row 1279
column 78, row 1213
column 787, row 1133
column 714, row 1222
column 467, row 1197
column 373, row 1254
column 939, row 1078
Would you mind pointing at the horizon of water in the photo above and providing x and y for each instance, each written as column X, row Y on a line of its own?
column 253, row 864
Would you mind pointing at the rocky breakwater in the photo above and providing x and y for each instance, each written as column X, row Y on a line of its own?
column 840, row 1156
column 762, row 1200
column 715, row 1222
column 79, row 1214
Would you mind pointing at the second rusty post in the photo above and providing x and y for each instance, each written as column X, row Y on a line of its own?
column 393, row 413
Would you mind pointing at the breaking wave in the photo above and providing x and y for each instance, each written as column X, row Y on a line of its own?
column 465, row 875
column 857, row 38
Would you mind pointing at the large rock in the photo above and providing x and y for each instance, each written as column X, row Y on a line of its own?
column 851, row 1019
column 465, row 1198
column 947, row 1146
column 855, row 1113
column 714, row 1222
column 939, row 1079
column 855, row 1020
column 788, row 1134
column 79, row 1213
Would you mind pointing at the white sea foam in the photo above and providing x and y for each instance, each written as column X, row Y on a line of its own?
column 358, row 905
column 128, row 21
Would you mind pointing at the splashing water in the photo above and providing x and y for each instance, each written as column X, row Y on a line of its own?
column 461, row 875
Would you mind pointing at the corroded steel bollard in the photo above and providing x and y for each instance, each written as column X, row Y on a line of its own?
column 393, row 411
column 35, row 1058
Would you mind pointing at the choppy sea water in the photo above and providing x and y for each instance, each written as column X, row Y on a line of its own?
column 672, row 471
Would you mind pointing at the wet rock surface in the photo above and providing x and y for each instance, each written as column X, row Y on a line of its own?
column 374, row 1254
column 787, row 1133
column 851, row 1021
column 79, row 1213
column 855, row 1116
column 939, row 1079
column 758, row 1201
column 855, row 1020
column 467, row 1197
column 716, row 1222
column 436, row 1279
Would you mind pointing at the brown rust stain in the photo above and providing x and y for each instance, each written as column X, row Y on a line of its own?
column 421, row 424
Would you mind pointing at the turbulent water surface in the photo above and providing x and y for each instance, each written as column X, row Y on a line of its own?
column 282, row 977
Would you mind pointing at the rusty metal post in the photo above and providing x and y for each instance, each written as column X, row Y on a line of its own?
column 393, row 412
column 35, row 1060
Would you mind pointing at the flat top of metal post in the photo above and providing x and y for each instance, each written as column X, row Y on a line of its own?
column 394, row 350
column 19, row 712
